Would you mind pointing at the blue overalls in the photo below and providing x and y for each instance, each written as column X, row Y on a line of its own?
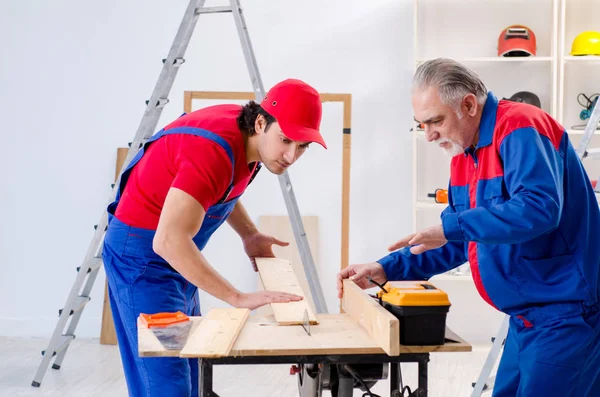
column 554, row 352
column 140, row 281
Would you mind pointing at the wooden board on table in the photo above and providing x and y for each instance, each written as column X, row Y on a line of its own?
column 382, row 325
column 335, row 334
column 278, row 275
column 108, row 336
column 453, row 343
column 280, row 227
column 216, row 334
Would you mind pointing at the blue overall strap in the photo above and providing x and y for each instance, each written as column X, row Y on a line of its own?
column 258, row 167
column 215, row 138
column 180, row 130
column 205, row 134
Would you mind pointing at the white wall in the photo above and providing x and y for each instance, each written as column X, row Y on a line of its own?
column 74, row 79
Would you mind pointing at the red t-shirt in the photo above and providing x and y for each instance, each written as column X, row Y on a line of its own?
column 196, row 165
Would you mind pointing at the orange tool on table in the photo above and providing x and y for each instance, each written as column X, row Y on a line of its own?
column 171, row 328
column 164, row 319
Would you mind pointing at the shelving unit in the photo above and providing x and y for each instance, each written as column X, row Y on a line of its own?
column 587, row 59
column 468, row 32
column 578, row 74
column 497, row 59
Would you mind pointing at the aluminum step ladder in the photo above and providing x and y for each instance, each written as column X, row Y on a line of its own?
column 485, row 382
column 79, row 295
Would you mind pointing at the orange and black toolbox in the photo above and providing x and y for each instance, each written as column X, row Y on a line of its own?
column 421, row 309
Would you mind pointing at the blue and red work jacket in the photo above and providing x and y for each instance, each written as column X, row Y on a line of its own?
column 521, row 211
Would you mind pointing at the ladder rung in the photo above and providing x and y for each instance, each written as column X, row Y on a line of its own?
column 143, row 140
column 177, row 62
column 160, row 103
column 594, row 153
column 80, row 302
column 96, row 227
column 94, row 266
column 64, row 341
column 213, row 10
column 489, row 385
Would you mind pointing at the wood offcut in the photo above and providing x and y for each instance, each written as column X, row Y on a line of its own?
column 216, row 334
column 382, row 325
column 278, row 275
column 281, row 227
column 108, row 335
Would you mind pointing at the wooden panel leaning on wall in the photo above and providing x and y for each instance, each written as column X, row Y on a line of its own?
column 108, row 335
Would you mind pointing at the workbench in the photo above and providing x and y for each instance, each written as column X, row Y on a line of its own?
column 337, row 339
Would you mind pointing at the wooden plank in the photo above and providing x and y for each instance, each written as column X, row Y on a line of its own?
column 383, row 327
column 108, row 335
column 346, row 154
column 187, row 101
column 237, row 95
column 226, row 95
column 335, row 334
column 278, row 275
column 280, row 227
column 454, row 343
column 217, row 333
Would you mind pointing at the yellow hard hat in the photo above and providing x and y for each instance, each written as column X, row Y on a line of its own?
column 586, row 43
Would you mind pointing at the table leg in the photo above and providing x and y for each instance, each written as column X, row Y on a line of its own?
column 205, row 387
column 423, row 360
column 394, row 378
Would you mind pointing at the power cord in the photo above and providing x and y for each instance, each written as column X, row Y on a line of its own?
column 400, row 393
column 356, row 376
column 369, row 393
column 589, row 100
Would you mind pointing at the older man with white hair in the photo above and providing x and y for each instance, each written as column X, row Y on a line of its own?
column 522, row 211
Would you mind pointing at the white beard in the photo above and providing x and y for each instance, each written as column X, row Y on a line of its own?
column 455, row 148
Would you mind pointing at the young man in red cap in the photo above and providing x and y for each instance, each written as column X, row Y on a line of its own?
column 182, row 185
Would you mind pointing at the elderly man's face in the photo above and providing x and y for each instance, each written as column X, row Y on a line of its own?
column 444, row 125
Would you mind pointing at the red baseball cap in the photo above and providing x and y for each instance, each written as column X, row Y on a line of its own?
column 297, row 107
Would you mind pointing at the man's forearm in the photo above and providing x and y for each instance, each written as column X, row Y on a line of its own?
column 403, row 265
column 183, row 255
column 240, row 221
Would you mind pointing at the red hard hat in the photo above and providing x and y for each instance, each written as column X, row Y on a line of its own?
column 516, row 40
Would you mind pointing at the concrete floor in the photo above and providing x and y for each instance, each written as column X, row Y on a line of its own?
column 94, row 370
